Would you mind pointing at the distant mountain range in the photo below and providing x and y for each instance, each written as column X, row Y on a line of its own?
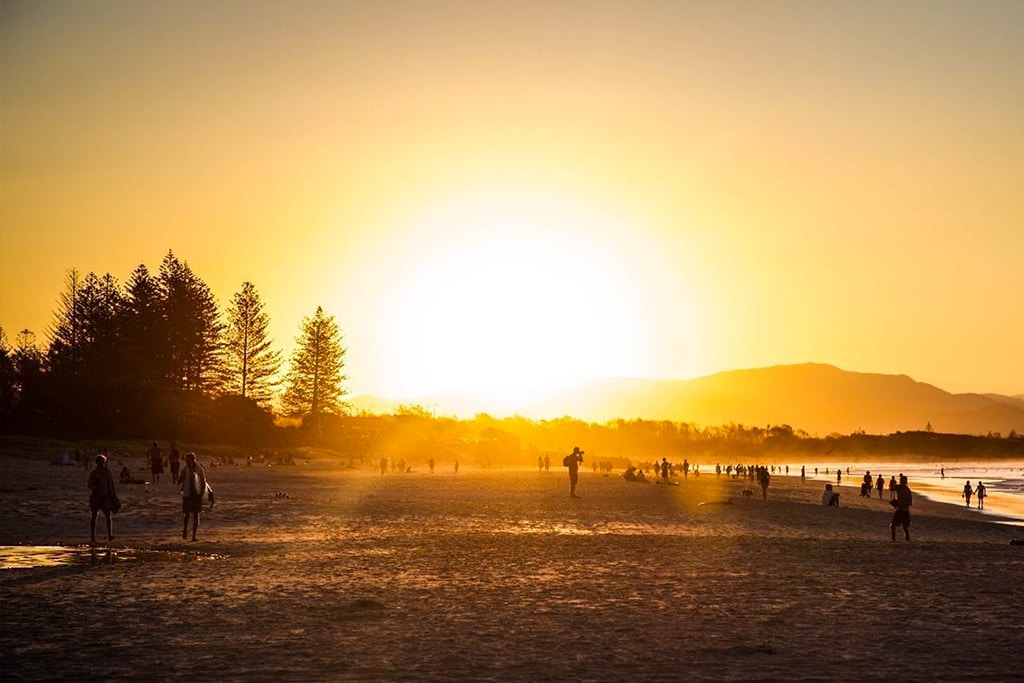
column 819, row 399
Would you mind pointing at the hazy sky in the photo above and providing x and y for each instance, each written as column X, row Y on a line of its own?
column 507, row 193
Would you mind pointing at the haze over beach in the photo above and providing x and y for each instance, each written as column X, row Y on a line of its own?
column 507, row 196
column 511, row 340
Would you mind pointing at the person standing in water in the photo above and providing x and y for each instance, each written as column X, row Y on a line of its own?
column 572, row 461
column 193, row 487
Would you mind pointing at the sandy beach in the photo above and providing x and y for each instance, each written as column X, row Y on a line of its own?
column 500, row 575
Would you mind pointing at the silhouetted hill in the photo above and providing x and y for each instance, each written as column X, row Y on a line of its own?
column 820, row 399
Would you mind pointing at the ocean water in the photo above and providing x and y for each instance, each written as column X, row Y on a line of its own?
column 1003, row 480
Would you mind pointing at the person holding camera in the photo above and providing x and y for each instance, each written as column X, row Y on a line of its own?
column 572, row 461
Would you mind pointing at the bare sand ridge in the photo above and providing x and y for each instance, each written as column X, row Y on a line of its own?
column 499, row 575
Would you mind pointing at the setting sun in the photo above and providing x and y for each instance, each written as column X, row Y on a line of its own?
column 509, row 293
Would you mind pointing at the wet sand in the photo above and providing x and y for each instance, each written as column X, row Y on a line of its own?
column 500, row 575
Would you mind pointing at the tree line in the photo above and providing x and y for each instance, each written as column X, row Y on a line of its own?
column 157, row 356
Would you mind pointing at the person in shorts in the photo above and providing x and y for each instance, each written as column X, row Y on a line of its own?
column 156, row 462
column 193, row 488
column 102, row 497
column 901, row 516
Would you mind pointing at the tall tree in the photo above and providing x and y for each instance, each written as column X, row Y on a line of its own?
column 8, row 378
column 100, row 327
column 66, row 338
column 314, row 383
column 145, row 329
column 85, row 337
column 251, row 364
column 28, row 364
column 193, row 326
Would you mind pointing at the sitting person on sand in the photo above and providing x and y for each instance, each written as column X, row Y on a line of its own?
column 829, row 498
column 126, row 477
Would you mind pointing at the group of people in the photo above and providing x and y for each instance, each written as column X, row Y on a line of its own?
column 868, row 484
column 900, row 497
column 191, row 479
column 981, row 492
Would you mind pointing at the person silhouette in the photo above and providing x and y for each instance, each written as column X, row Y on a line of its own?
column 572, row 461
column 901, row 516
column 174, row 461
column 829, row 498
column 982, row 494
column 102, row 496
column 156, row 462
column 664, row 470
column 193, row 488
column 968, row 492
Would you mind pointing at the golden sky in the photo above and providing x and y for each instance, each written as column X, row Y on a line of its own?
column 507, row 194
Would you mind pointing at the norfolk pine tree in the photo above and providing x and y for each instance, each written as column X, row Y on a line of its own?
column 314, row 379
column 195, row 351
column 250, row 363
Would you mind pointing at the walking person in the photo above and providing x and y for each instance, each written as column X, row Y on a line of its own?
column 968, row 492
column 102, row 496
column 193, row 487
column 982, row 494
column 156, row 462
column 901, row 516
column 763, row 478
column 880, row 486
column 174, row 461
column 572, row 461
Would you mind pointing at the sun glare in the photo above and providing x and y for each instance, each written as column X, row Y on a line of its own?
column 507, row 296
